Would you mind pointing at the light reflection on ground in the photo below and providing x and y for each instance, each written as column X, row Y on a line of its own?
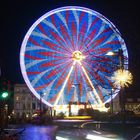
column 38, row 133
column 72, row 130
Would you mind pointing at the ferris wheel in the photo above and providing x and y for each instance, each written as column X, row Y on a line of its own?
column 63, row 56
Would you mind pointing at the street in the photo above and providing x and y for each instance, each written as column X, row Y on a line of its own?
column 89, row 131
column 33, row 132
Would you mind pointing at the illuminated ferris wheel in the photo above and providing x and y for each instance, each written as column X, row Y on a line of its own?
column 63, row 56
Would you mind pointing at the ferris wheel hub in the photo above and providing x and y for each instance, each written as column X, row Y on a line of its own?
column 77, row 56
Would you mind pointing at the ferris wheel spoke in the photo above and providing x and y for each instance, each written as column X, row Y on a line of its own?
column 54, row 28
column 95, row 20
column 101, row 30
column 93, row 73
column 61, row 79
column 65, row 31
column 92, row 45
column 100, row 93
column 76, row 73
column 96, row 60
column 94, row 90
column 51, row 25
column 31, row 40
column 77, row 24
column 38, row 77
column 57, row 56
column 68, row 86
column 48, row 54
column 52, row 99
column 76, row 17
column 33, row 72
column 60, row 92
column 38, row 88
column 66, row 36
column 102, row 51
column 59, row 40
column 42, row 31
column 90, row 35
column 57, row 69
column 89, row 21
column 53, row 46
column 81, row 39
column 74, row 36
column 53, row 20
column 99, row 67
column 36, row 48
column 92, row 98
column 110, row 40
column 33, row 63
column 62, row 19
column 41, row 35
column 95, row 44
column 104, row 70
column 47, row 89
column 32, row 57
column 109, row 81
column 47, row 64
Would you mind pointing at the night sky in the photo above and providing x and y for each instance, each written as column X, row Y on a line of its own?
column 17, row 16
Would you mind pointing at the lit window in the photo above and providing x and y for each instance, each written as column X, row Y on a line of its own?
column 17, row 98
column 130, row 106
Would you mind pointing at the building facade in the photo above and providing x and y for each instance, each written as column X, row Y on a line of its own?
column 25, row 103
column 132, row 102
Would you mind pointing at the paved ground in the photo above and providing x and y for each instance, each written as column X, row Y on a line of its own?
column 73, row 130
column 99, row 130
column 33, row 132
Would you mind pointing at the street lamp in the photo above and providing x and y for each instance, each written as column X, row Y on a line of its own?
column 118, row 53
column 121, row 77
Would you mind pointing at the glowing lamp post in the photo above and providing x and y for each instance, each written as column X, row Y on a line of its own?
column 122, row 78
column 120, row 56
column 119, row 53
column 110, row 53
